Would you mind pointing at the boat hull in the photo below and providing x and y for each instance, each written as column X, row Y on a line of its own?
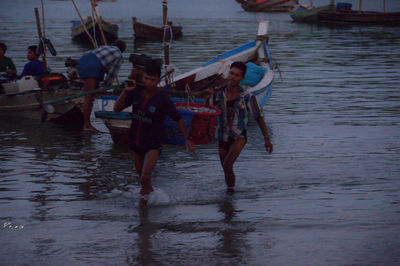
column 147, row 32
column 359, row 17
column 79, row 34
column 269, row 5
column 309, row 15
column 29, row 105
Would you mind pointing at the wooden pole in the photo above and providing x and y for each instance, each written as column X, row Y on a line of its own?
column 165, row 12
column 360, row 5
column 39, row 30
column 166, row 34
column 44, row 35
column 384, row 6
column 311, row 3
column 84, row 26
column 94, row 7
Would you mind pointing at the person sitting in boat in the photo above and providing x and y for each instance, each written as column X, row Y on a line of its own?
column 91, row 68
column 6, row 63
column 149, row 106
column 34, row 67
column 236, row 106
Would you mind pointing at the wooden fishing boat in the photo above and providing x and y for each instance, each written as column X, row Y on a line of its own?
column 309, row 13
column 345, row 15
column 151, row 33
column 359, row 17
column 193, row 84
column 25, row 99
column 79, row 34
column 267, row 5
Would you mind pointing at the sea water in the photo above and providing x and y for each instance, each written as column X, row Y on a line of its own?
column 327, row 195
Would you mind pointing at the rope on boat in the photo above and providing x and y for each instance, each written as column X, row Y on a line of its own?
column 190, row 97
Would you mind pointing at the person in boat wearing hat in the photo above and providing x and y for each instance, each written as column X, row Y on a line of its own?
column 34, row 67
column 149, row 106
column 92, row 67
column 6, row 63
column 236, row 106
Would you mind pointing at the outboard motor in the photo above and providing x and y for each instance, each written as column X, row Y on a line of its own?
column 139, row 63
column 72, row 71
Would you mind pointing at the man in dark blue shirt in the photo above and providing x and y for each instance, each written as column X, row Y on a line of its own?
column 149, row 106
column 35, row 67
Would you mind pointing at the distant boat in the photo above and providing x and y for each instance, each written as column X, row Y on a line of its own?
column 268, row 5
column 345, row 15
column 147, row 32
column 78, row 32
column 309, row 13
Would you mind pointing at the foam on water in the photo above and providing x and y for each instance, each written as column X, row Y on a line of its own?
column 132, row 193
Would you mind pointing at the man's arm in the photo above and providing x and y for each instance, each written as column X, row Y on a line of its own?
column 120, row 103
column 261, row 123
column 188, row 142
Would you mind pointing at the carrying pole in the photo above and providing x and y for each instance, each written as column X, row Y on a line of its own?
column 84, row 26
column 39, row 30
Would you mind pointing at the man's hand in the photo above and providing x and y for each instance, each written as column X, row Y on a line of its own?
column 268, row 146
column 130, row 85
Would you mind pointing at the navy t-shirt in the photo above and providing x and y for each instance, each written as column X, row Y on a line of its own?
column 33, row 68
column 147, row 126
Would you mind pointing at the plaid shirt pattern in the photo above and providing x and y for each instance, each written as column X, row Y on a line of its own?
column 244, row 105
column 111, row 59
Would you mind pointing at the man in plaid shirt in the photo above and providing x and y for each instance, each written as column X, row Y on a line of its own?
column 92, row 66
column 236, row 106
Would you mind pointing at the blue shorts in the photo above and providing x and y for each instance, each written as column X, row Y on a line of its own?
column 89, row 66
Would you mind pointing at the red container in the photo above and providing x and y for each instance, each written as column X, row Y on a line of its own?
column 203, row 123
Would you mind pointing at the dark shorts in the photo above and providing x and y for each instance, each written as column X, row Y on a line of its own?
column 226, row 145
column 89, row 66
column 142, row 152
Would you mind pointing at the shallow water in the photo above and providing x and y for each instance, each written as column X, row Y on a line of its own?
column 329, row 194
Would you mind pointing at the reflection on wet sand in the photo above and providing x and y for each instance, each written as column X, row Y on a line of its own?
column 229, row 233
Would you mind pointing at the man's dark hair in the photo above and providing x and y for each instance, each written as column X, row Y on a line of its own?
column 33, row 48
column 239, row 65
column 3, row 46
column 153, row 69
column 120, row 44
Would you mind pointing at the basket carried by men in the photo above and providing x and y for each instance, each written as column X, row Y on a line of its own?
column 200, row 118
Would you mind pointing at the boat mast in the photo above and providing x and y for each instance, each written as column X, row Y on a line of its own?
column 84, row 26
column 167, row 40
column 39, row 30
column 384, row 6
column 359, row 5
column 165, row 11
column 96, row 13
column 44, row 37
